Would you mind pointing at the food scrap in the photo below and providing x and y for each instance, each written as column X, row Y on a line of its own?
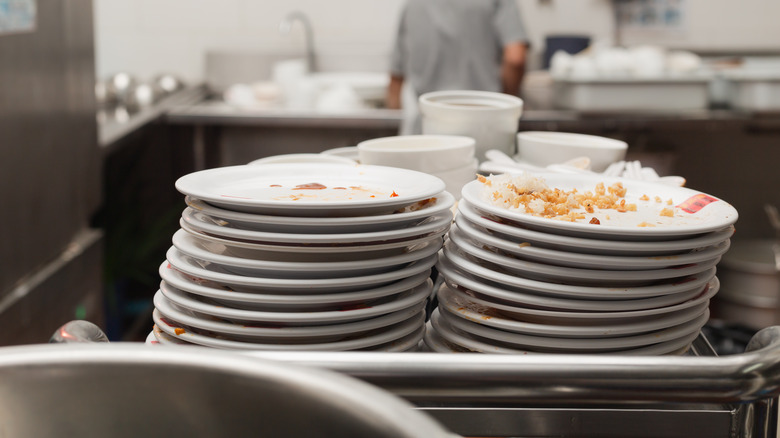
column 310, row 186
column 538, row 199
column 394, row 194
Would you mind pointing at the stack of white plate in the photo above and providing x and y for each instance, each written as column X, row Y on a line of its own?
column 515, row 282
column 302, row 257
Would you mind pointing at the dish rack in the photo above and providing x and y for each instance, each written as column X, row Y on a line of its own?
column 545, row 395
column 697, row 395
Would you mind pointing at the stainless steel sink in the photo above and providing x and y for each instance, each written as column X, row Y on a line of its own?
column 69, row 390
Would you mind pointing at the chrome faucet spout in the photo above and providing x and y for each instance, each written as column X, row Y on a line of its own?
column 286, row 26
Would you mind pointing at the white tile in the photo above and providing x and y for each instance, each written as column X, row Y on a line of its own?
column 201, row 15
column 116, row 14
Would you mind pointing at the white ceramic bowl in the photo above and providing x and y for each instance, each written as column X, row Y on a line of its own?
column 489, row 118
column 455, row 179
column 424, row 153
column 304, row 158
column 350, row 152
column 542, row 148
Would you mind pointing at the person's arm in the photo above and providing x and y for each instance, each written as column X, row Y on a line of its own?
column 513, row 67
column 393, row 100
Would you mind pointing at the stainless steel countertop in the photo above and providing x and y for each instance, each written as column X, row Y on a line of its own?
column 213, row 112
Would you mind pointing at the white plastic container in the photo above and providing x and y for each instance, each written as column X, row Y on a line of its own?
column 754, row 91
column 491, row 119
column 626, row 94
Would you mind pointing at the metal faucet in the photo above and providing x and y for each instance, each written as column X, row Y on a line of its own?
column 286, row 25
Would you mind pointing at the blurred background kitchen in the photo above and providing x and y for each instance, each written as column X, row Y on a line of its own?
column 105, row 103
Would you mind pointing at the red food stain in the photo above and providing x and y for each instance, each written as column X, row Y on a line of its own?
column 310, row 186
column 394, row 194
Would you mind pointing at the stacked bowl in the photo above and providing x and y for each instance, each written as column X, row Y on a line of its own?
column 448, row 157
column 305, row 256
column 541, row 273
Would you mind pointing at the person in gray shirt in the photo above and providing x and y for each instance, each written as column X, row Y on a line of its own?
column 457, row 45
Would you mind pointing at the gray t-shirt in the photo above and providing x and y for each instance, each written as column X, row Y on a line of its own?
column 455, row 44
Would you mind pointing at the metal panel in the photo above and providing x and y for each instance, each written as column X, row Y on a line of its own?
column 49, row 158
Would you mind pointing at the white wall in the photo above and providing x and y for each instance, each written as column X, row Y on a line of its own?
column 146, row 37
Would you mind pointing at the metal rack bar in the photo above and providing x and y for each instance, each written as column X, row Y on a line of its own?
column 579, row 395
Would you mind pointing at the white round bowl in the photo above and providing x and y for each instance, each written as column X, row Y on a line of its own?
column 424, row 153
column 489, row 118
column 543, row 148
column 455, row 179
column 350, row 152
column 304, row 158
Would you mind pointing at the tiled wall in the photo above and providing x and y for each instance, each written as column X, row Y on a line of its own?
column 145, row 37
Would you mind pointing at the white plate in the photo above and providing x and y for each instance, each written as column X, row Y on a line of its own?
column 310, row 225
column 578, row 345
column 206, row 225
column 322, row 251
column 318, row 255
column 451, row 335
column 406, row 343
column 404, row 300
column 379, row 337
column 564, row 274
column 434, row 342
column 517, row 234
column 463, row 308
column 458, row 279
column 715, row 214
column 282, row 301
column 217, row 274
column 166, row 339
column 554, row 317
column 266, row 332
column 263, row 265
column 276, row 188
column 572, row 291
column 151, row 339
column 474, row 233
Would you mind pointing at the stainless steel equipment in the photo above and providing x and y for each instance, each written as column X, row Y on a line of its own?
column 573, row 395
column 49, row 174
column 124, row 390
column 286, row 25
